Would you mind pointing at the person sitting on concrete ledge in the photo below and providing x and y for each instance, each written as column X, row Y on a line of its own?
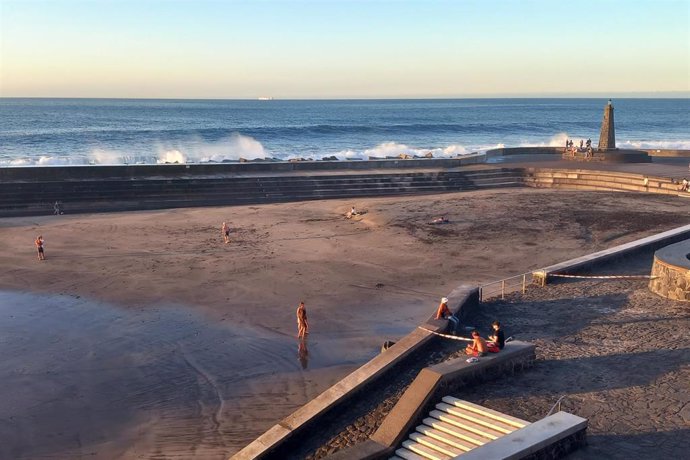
column 439, row 220
column 444, row 312
column 684, row 185
column 498, row 337
column 478, row 348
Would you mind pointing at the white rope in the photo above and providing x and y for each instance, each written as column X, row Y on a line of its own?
column 603, row 277
column 447, row 336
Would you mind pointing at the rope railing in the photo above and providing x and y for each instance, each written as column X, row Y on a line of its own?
column 519, row 283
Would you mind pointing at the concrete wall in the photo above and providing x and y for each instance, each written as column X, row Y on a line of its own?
column 672, row 271
column 275, row 442
column 524, row 151
column 668, row 152
column 52, row 173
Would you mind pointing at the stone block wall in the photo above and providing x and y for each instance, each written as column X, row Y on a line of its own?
column 671, row 281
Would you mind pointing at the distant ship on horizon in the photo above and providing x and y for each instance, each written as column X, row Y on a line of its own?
column 266, row 98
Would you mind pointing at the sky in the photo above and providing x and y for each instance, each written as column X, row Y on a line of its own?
column 307, row 49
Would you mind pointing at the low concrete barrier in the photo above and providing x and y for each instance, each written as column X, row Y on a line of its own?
column 668, row 152
column 269, row 443
column 428, row 387
column 671, row 272
column 549, row 438
column 52, row 173
column 436, row 381
column 587, row 262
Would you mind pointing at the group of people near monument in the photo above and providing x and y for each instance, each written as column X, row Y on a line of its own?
column 585, row 146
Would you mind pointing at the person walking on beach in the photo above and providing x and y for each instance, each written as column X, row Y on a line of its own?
column 39, row 247
column 302, row 323
column 225, row 230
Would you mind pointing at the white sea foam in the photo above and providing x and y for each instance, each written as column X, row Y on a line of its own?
column 394, row 149
column 230, row 148
column 670, row 145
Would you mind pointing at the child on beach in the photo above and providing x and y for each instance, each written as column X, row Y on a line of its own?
column 498, row 337
column 302, row 323
column 225, row 230
column 39, row 247
column 444, row 312
column 478, row 348
column 351, row 213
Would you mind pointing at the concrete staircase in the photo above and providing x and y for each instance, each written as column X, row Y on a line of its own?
column 120, row 194
column 456, row 427
column 598, row 180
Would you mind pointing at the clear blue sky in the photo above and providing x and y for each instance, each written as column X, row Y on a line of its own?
column 341, row 49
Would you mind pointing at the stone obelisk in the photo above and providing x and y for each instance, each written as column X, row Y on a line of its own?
column 607, row 137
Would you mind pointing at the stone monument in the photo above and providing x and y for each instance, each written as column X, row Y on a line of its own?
column 607, row 137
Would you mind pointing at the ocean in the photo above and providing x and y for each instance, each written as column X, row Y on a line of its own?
column 137, row 131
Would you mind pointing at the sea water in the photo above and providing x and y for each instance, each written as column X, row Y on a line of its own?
column 121, row 131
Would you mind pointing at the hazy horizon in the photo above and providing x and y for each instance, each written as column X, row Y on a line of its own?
column 339, row 49
column 604, row 96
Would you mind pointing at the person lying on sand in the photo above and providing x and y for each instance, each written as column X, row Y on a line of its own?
column 439, row 220
column 351, row 213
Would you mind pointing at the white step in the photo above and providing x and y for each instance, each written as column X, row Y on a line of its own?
column 455, row 431
column 514, row 421
column 436, row 444
column 465, row 424
column 408, row 455
column 425, row 452
column 475, row 417
column 458, row 443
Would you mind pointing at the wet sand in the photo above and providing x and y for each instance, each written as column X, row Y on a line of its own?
column 143, row 336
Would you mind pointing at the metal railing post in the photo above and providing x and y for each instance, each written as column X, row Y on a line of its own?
column 524, row 283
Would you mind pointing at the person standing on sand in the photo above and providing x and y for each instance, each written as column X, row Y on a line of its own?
column 39, row 247
column 302, row 323
column 225, row 230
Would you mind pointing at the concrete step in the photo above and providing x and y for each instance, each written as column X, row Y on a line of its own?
column 467, row 425
column 436, row 444
column 408, row 455
column 458, row 443
column 479, row 419
column 485, row 411
column 455, row 431
column 425, row 452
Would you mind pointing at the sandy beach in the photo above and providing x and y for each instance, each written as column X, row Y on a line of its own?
column 142, row 335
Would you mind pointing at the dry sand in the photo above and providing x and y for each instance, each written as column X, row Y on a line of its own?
column 143, row 336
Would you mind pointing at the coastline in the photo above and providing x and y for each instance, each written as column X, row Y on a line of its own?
column 222, row 316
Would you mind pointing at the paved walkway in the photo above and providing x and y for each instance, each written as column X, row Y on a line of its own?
column 620, row 353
